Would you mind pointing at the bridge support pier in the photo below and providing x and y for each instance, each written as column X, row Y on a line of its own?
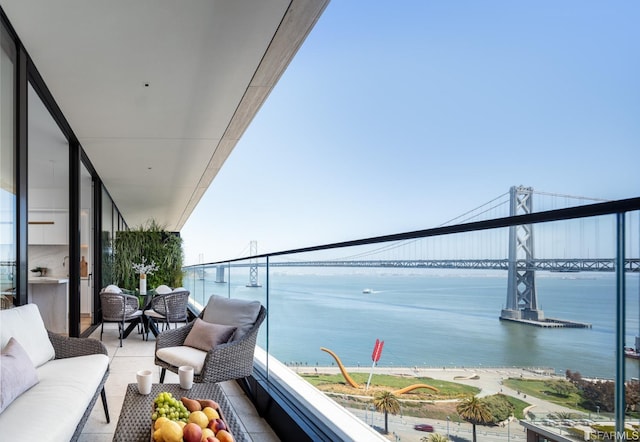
column 220, row 274
column 522, row 300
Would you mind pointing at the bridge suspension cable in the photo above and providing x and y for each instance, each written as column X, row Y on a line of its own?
column 446, row 223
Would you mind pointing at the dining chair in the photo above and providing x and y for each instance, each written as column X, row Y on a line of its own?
column 167, row 308
column 121, row 308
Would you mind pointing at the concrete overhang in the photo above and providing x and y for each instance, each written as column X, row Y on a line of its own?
column 158, row 92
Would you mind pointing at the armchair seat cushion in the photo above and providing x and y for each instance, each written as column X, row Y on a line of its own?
column 154, row 314
column 183, row 355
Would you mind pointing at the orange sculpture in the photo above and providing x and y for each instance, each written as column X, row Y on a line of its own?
column 413, row 387
column 351, row 382
column 354, row 384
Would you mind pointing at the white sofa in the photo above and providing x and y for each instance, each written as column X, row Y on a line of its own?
column 71, row 373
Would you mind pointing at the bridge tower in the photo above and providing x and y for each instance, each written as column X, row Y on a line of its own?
column 522, row 300
column 253, row 268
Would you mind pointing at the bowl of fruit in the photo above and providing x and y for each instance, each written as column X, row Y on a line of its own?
column 187, row 420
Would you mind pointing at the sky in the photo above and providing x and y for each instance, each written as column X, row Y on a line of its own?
column 399, row 116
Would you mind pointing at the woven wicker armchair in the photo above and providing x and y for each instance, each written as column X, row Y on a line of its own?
column 231, row 360
column 168, row 308
column 120, row 308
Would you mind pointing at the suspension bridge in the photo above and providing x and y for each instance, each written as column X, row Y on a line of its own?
column 510, row 249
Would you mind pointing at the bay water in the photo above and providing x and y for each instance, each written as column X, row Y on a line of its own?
column 438, row 319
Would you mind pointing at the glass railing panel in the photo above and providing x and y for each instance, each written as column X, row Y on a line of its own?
column 436, row 302
column 632, row 326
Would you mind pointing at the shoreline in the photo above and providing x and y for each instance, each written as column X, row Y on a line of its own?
column 416, row 371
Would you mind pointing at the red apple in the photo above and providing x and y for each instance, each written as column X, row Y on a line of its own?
column 217, row 425
column 192, row 432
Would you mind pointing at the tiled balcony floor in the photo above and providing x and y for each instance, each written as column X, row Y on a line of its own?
column 136, row 354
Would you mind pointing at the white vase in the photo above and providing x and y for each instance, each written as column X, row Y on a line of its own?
column 143, row 284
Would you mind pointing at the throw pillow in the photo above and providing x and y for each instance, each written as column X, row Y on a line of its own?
column 163, row 289
column 205, row 336
column 232, row 311
column 17, row 373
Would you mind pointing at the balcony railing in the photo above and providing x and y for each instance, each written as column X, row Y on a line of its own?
column 436, row 297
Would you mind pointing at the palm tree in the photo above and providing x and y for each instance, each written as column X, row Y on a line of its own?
column 386, row 402
column 435, row 437
column 473, row 410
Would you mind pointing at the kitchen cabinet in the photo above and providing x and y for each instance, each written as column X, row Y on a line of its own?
column 48, row 227
column 51, row 295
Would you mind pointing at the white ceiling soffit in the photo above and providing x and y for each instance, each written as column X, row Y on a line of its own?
column 158, row 92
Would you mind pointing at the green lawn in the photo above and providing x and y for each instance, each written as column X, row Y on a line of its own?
column 537, row 388
column 420, row 403
column 446, row 389
column 518, row 406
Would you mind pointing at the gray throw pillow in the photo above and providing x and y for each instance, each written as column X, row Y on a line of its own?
column 232, row 311
column 205, row 336
column 17, row 373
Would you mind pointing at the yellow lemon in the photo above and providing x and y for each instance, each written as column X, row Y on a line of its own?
column 211, row 413
column 182, row 424
column 161, row 420
column 198, row 417
column 171, row 432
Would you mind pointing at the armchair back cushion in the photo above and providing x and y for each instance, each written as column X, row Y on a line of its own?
column 235, row 312
column 205, row 336
column 33, row 338
column 17, row 373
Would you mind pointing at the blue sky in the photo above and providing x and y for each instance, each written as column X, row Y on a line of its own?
column 398, row 116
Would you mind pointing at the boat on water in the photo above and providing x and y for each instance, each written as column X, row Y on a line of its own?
column 367, row 291
column 632, row 353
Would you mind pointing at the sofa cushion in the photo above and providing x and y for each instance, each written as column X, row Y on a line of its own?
column 163, row 289
column 183, row 355
column 17, row 373
column 57, row 402
column 25, row 324
column 205, row 336
column 237, row 312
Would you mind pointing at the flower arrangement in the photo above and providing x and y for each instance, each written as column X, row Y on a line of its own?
column 143, row 268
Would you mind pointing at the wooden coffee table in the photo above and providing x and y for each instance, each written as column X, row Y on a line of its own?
column 134, row 423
